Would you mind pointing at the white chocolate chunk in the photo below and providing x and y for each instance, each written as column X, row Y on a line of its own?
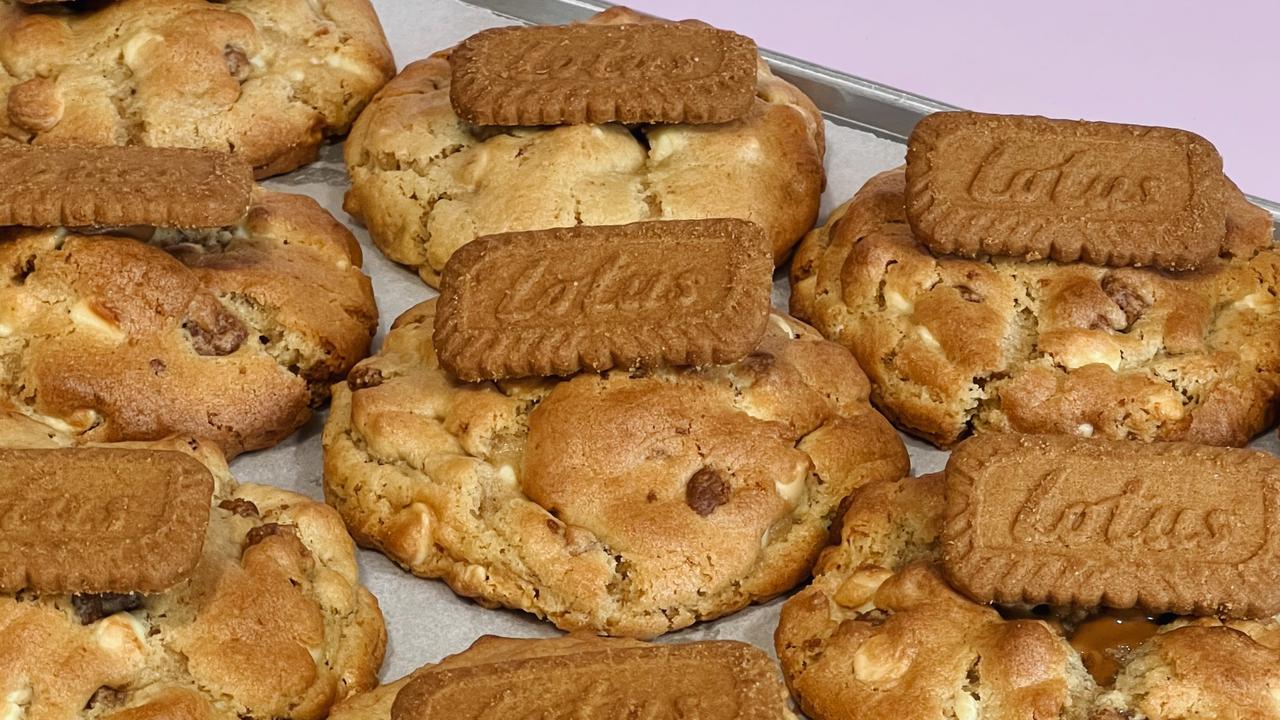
column 84, row 316
column 133, row 47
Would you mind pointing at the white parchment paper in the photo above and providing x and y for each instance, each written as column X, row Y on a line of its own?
column 425, row 620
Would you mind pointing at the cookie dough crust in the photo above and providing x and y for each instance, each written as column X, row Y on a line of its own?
column 378, row 704
column 623, row 504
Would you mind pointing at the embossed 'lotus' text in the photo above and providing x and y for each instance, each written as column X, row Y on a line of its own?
column 1075, row 182
column 552, row 60
column 617, row 285
column 67, row 514
column 1135, row 517
column 602, row 700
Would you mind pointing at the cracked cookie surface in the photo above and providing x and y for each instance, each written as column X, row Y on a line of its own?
column 953, row 345
column 880, row 633
column 627, row 504
column 230, row 335
column 425, row 183
column 271, row 623
column 265, row 79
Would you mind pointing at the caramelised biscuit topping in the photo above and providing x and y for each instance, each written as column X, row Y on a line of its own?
column 271, row 622
column 624, row 503
column 265, row 79
column 585, row 675
column 109, row 186
column 230, row 334
column 100, row 520
column 426, row 183
column 585, row 73
column 637, row 296
column 881, row 633
column 954, row 344
column 1165, row 527
column 1069, row 190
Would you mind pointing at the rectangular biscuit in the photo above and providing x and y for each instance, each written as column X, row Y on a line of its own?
column 574, row 74
column 95, row 520
column 705, row 680
column 553, row 302
column 1068, row 190
column 1166, row 527
column 122, row 186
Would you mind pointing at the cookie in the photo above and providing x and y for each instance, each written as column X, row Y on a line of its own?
column 96, row 520
column 1202, row 668
column 96, row 187
column 954, row 344
column 426, row 183
column 622, row 503
column 597, row 677
column 268, row 81
column 553, row 302
column 881, row 633
column 270, row 622
column 1070, row 521
column 231, row 334
column 1035, row 188
column 571, row 74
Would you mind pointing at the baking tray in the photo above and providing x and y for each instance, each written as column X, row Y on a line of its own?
column 866, row 129
column 845, row 100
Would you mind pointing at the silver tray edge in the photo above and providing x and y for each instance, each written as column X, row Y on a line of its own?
column 844, row 99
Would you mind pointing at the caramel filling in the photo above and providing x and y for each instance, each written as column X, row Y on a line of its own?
column 1103, row 641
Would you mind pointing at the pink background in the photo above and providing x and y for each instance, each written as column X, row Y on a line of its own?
column 1210, row 66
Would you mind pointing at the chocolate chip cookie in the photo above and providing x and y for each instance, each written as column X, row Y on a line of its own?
column 626, row 503
column 231, row 334
column 266, row 80
column 881, row 633
column 954, row 344
column 426, row 183
column 271, row 623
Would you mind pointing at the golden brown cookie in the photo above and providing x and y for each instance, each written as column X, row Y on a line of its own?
column 954, row 344
column 231, row 334
column 627, row 504
column 597, row 677
column 426, row 183
column 267, row 80
column 881, row 633
column 270, row 623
